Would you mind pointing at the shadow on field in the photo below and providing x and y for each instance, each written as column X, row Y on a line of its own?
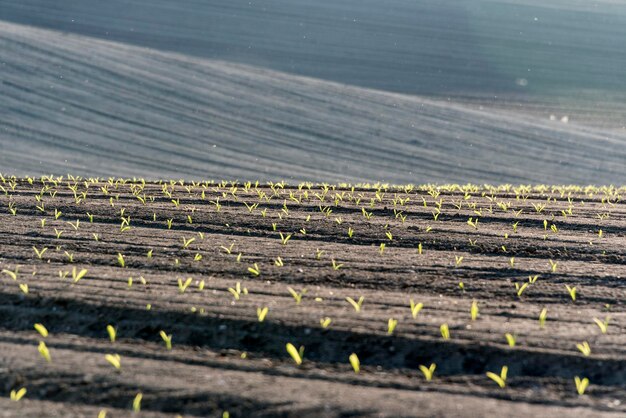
column 268, row 339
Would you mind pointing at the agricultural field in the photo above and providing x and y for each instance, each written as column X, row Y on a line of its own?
column 234, row 299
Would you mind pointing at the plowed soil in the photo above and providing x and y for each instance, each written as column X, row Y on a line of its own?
column 223, row 358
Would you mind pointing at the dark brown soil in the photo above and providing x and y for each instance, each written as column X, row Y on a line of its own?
column 224, row 359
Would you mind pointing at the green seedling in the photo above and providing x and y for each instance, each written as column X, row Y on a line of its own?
column 474, row 310
column 11, row 274
column 356, row 305
column 584, row 348
column 428, row 372
column 228, row 250
column 182, row 286
column 187, row 242
column 254, row 270
column 581, row 385
column 44, row 352
column 603, row 325
column 284, row 238
column 501, row 378
column 572, row 292
column 40, row 253
column 120, row 260
column 237, row 291
column 77, row 275
column 115, row 360
column 415, row 308
column 297, row 295
column 391, row 325
column 137, row 402
column 336, row 266
column 543, row 315
column 167, row 339
column 355, row 362
column 553, row 266
column 17, row 395
column 262, row 313
column 112, row 333
column 41, row 329
column 325, row 322
column 296, row 354
column 445, row 331
column 520, row 289
column 510, row 339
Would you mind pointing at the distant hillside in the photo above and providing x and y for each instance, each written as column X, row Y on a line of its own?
column 76, row 104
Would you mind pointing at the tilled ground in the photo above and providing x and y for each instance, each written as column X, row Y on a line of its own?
column 223, row 358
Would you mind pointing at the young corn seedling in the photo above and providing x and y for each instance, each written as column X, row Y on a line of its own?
column 120, row 260
column 41, row 329
column 15, row 396
column 499, row 379
column 279, row 262
column 296, row 354
column 584, row 348
column 572, row 292
column 112, row 333
column 415, row 308
column 182, row 286
column 284, row 238
column 458, row 260
column 297, row 296
column 228, row 250
column 254, row 270
column 581, row 385
column 40, row 253
column 603, row 325
column 391, row 325
column 543, row 315
column 187, row 242
column 445, row 331
column 510, row 339
column 261, row 313
column 336, row 266
column 325, row 322
column 382, row 248
column 237, row 291
column 115, row 360
column 474, row 310
column 44, row 352
column 24, row 288
column 77, row 275
column 355, row 362
column 428, row 372
column 520, row 289
column 167, row 339
column 356, row 305
column 137, row 402
column 553, row 266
